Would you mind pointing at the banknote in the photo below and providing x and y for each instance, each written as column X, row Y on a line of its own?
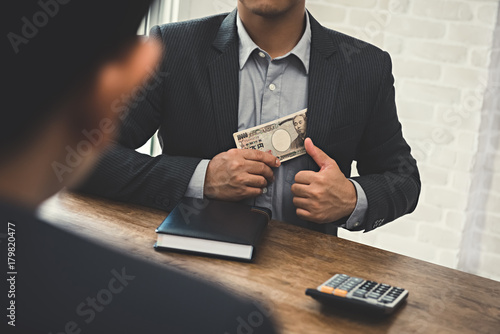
column 283, row 138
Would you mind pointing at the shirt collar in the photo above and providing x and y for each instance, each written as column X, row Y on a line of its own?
column 301, row 50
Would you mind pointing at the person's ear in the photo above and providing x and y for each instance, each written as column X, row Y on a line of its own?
column 119, row 80
column 93, row 113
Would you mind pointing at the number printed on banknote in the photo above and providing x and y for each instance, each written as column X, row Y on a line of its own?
column 283, row 138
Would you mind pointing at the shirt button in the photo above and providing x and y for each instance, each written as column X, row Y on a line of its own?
column 262, row 54
column 264, row 190
column 272, row 87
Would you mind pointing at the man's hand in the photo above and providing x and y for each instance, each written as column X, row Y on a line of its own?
column 323, row 196
column 238, row 174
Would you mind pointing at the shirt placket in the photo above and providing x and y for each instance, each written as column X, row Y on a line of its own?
column 272, row 92
column 270, row 108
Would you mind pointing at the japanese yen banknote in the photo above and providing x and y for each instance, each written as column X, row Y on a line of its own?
column 283, row 138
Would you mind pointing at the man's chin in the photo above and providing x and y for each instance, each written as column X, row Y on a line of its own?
column 268, row 12
column 267, row 9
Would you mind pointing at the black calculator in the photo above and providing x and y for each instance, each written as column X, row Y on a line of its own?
column 344, row 290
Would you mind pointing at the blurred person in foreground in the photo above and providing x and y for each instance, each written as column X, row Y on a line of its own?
column 67, row 61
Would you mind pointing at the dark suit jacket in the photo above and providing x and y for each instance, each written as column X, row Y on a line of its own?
column 194, row 104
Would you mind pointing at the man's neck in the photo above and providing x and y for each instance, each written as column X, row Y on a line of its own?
column 22, row 184
column 276, row 35
column 27, row 175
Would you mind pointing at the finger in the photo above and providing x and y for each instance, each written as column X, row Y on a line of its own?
column 300, row 190
column 320, row 157
column 303, row 214
column 250, row 192
column 255, row 181
column 301, row 203
column 259, row 168
column 264, row 157
column 305, row 177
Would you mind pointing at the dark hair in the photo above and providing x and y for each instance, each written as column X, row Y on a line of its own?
column 304, row 116
column 51, row 47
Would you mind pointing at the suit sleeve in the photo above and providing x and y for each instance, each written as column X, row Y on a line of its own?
column 388, row 173
column 126, row 175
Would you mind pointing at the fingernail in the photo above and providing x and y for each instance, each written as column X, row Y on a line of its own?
column 278, row 162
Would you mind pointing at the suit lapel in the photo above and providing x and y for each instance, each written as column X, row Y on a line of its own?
column 323, row 85
column 224, row 82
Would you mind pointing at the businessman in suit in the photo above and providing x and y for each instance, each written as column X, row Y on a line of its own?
column 53, row 281
column 265, row 60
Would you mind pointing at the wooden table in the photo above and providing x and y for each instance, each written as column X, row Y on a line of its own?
column 291, row 259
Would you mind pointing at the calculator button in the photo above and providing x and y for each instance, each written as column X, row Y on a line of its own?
column 340, row 293
column 368, row 285
column 359, row 293
column 387, row 300
column 394, row 292
column 349, row 285
column 373, row 295
column 326, row 289
column 337, row 280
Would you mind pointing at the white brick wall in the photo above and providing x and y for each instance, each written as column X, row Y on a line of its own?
column 446, row 57
column 480, row 251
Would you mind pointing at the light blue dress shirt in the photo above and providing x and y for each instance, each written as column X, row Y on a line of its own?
column 271, row 89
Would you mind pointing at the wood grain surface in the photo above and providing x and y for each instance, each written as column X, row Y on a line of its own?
column 290, row 259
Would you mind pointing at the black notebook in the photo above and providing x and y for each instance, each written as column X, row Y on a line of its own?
column 213, row 227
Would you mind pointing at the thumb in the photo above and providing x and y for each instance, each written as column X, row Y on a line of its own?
column 320, row 157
